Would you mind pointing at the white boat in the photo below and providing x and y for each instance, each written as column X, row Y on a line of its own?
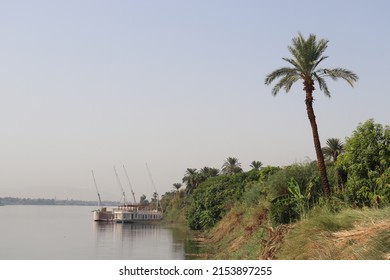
column 136, row 213
column 127, row 213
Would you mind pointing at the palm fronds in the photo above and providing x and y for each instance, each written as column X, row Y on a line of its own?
column 307, row 55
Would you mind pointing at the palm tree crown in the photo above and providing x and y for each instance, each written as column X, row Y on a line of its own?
column 231, row 166
column 207, row 172
column 191, row 179
column 334, row 147
column 177, row 186
column 307, row 55
column 256, row 164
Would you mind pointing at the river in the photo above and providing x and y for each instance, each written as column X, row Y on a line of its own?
column 69, row 233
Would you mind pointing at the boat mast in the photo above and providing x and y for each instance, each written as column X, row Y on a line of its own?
column 94, row 180
column 120, row 185
column 154, row 186
column 131, row 188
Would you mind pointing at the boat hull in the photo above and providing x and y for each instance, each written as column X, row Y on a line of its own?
column 103, row 215
column 123, row 216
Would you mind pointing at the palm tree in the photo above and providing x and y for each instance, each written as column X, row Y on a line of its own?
column 307, row 55
column 256, row 165
column 207, row 172
column 177, row 186
column 333, row 149
column 231, row 166
column 191, row 179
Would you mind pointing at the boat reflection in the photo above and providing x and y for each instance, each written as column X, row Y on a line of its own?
column 140, row 241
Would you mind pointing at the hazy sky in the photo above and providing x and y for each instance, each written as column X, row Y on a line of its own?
column 175, row 84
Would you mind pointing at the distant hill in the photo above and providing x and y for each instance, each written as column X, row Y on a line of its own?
column 44, row 201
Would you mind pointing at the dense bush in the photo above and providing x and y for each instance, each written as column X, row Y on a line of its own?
column 283, row 210
column 211, row 199
column 305, row 174
column 366, row 162
column 254, row 192
column 292, row 191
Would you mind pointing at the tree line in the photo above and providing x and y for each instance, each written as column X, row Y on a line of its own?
column 358, row 174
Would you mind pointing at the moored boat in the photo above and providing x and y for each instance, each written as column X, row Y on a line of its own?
column 136, row 213
column 127, row 213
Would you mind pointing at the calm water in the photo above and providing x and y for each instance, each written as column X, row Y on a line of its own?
column 69, row 233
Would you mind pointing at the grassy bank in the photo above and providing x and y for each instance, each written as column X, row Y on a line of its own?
column 351, row 234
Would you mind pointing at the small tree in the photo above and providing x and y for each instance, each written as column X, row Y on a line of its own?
column 143, row 200
column 367, row 161
column 334, row 148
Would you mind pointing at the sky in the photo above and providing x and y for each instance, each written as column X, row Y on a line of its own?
column 89, row 85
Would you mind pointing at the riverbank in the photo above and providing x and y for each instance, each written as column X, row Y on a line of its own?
column 351, row 234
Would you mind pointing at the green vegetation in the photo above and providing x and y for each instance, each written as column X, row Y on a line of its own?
column 334, row 208
column 282, row 212
column 211, row 200
column 367, row 162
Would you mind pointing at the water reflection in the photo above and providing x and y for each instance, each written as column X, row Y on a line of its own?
column 69, row 233
column 192, row 248
column 141, row 241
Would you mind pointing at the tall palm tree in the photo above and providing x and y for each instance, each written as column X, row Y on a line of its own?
column 307, row 55
column 231, row 166
column 334, row 147
column 256, row 164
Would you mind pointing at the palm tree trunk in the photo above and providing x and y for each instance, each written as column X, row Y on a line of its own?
column 317, row 144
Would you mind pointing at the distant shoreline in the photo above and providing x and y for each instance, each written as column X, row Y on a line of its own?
column 42, row 201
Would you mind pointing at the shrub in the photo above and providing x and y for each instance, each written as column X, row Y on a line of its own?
column 366, row 161
column 292, row 191
column 211, row 199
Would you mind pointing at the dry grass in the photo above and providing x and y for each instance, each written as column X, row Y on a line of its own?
column 357, row 242
column 238, row 234
column 231, row 221
column 273, row 241
column 361, row 233
column 349, row 235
